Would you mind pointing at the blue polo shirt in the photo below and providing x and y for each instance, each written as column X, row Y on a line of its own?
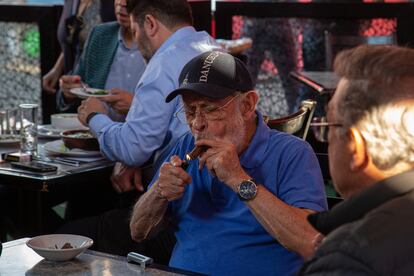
column 217, row 234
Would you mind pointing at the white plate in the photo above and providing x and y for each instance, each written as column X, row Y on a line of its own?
column 8, row 139
column 80, row 92
column 48, row 131
column 57, row 147
column 50, row 246
column 66, row 121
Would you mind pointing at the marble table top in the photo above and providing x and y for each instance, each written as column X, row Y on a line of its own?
column 18, row 259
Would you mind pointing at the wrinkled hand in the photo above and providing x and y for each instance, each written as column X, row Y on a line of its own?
column 125, row 179
column 222, row 160
column 91, row 104
column 68, row 82
column 50, row 80
column 173, row 179
column 119, row 100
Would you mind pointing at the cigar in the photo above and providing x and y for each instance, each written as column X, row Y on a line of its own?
column 195, row 153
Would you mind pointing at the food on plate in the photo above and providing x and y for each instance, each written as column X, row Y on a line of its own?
column 81, row 134
column 80, row 139
column 97, row 92
column 67, row 245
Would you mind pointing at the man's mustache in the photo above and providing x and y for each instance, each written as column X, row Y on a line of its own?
column 203, row 136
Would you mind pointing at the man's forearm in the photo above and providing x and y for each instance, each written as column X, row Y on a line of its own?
column 123, row 142
column 148, row 217
column 285, row 223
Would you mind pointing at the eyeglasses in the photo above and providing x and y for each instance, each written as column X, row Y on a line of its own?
column 210, row 113
column 320, row 128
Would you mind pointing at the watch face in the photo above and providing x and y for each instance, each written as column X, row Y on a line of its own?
column 247, row 190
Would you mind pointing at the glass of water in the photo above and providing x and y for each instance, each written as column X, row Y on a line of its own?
column 28, row 129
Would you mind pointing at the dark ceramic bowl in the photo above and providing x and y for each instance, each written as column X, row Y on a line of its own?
column 80, row 139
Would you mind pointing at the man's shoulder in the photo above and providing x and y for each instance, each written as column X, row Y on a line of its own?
column 168, row 65
column 189, row 47
column 286, row 143
column 381, row 226
column 380, row 240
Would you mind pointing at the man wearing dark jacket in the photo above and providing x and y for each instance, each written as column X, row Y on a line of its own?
column 371, row 158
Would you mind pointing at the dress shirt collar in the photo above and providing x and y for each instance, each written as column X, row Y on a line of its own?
column 121, row 39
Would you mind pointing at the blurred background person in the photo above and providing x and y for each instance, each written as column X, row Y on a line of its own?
column 111, row 61
column 277, row 47
column 77, row 20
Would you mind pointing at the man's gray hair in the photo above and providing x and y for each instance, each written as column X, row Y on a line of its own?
column 379, row 100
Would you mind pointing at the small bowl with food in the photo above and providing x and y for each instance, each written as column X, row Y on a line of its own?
column 80, row 139
column 59, row 247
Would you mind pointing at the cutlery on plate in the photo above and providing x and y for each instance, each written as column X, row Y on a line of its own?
column 58, row 160
column 84, row 86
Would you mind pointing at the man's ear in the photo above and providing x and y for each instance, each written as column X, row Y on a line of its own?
column 151, row 25
column 358, row 149
column 249, row 103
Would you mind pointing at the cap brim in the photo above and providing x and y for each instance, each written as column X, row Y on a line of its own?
column 202, row 89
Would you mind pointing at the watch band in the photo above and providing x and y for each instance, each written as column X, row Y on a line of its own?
column 90, row 116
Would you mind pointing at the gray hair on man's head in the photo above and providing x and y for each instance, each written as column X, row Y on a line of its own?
column 378, row 100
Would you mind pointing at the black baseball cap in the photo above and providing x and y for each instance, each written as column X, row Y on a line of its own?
column 214, row 75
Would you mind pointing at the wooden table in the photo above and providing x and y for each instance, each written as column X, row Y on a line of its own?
column 18, row 259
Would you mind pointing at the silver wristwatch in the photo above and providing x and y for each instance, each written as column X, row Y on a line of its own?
column 247, row 190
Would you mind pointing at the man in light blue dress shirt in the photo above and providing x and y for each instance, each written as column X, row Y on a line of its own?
column 167, row 41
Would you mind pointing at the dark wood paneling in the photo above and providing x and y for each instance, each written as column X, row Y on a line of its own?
column 202, row 15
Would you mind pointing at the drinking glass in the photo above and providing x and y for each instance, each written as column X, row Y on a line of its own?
column 28, row 130
column 13, row 117
column 3, row 122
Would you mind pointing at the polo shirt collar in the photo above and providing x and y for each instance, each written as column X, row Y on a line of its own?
column 253, row 155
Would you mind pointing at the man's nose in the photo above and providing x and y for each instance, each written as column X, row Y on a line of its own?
column 199, row 122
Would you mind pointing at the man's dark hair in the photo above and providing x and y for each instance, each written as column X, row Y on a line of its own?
column 168, row 12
